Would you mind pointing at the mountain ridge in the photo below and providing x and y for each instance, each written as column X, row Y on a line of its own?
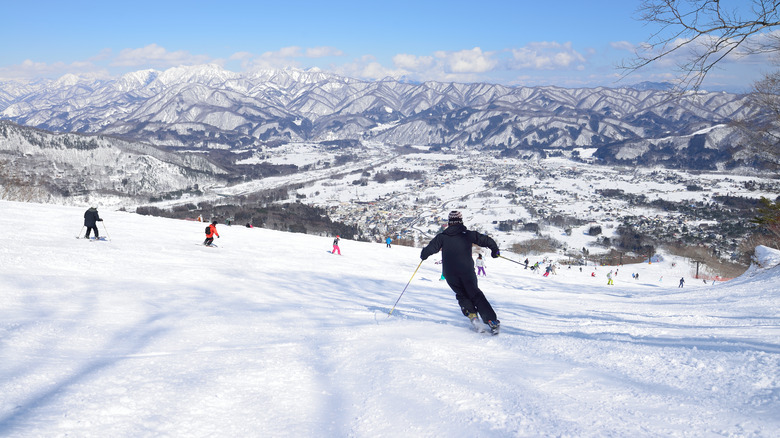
column 206, row 107
column 68, row 165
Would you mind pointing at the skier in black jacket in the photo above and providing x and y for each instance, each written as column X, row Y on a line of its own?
column 91, row 218
column 458, row 268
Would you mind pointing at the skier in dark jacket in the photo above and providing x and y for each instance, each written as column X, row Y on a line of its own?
column 458, row 268
column 91, row 218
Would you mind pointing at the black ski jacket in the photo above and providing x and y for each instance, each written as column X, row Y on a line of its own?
column 455, row 245
column 91, row 217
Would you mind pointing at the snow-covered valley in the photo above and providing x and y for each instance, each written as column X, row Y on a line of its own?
column 152, row 334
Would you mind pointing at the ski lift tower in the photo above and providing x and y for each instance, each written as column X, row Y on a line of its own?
column 698, row 262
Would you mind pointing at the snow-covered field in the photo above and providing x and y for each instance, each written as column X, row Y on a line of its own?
column 151, row 334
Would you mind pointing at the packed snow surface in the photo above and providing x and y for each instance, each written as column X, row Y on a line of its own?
column 152, row 334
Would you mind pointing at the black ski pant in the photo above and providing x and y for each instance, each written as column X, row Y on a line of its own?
column 470, row 297
column 208, row 241
column 94, row 227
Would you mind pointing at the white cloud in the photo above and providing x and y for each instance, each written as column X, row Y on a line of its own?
column 412, row 62
column 547, row 56
column 284, row 57
column 156, row 56
column 468, row 61
column 472, row 65
column 102, row 55
column 322, row 52
column 757, row 50
column 459, row 66
column 240, row 56
column 622, row 45
column 285, row 52
column 366, row 67
column 29, row 69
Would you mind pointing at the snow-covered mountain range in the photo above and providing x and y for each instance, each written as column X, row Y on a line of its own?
column 209, row 107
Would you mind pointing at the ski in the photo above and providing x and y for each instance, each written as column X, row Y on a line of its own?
column 477, row 326
column 494, row 328
column 477, row 329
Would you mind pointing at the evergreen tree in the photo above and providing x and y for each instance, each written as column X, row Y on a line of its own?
column 769, row 216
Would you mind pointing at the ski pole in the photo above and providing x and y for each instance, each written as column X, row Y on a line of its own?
column 511, row 260
column 78, row 236
column 106, row 230
column 402, row 292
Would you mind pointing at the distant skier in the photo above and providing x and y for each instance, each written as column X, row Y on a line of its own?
column 336, row 246
column 526, row 263
column 458, row 268
column 388, row 240
column 480, row 266
column 91, row 218
column 211, row 231
column 609, row 278
column 682, row 282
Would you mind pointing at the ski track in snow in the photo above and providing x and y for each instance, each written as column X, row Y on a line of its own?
column 270, row 335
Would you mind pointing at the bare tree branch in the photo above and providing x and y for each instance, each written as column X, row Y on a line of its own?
column 762, row 132
column 708, row 31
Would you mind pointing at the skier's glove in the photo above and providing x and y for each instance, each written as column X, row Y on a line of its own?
column 495, row 254
column 100, row 220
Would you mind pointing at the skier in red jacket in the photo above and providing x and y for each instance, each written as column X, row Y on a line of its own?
column 212, row 231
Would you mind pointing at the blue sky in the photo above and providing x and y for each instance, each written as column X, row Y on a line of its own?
column 513, row 42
